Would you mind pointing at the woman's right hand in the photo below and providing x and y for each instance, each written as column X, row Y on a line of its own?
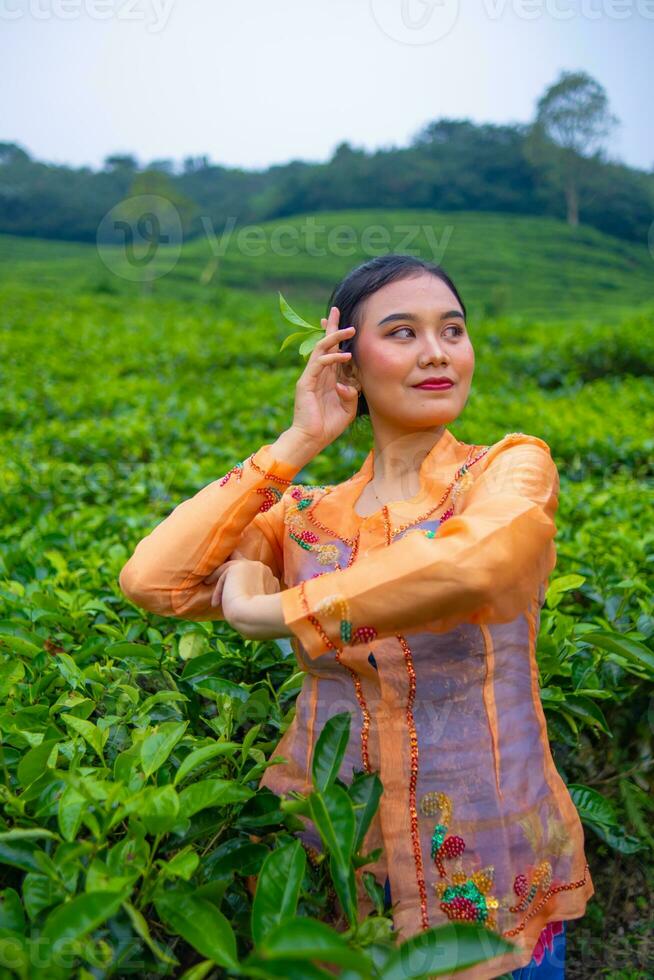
column 324, row 405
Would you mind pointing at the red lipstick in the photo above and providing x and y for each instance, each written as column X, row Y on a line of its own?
column 435, row 384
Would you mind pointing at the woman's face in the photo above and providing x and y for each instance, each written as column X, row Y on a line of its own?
column 411, row 330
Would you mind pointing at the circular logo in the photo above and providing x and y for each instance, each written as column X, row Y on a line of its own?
column 140, row 238
column 415, row 21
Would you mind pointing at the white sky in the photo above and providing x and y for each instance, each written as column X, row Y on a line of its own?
column 255, row 82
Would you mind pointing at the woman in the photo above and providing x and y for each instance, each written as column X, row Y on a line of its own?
column 412, row 594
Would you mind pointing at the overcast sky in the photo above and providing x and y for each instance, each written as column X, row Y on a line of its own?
column 255, row 82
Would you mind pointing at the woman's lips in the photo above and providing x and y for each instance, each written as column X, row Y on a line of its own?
column 433, row 386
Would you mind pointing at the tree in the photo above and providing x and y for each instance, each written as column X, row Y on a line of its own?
column 119, row 161
column 572, row 121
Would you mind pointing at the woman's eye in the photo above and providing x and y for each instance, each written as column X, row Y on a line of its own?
column 458, row 330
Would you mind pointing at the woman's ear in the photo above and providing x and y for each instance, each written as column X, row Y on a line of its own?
column 349, row 374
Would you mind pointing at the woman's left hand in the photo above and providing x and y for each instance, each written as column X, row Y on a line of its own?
column 250, row 597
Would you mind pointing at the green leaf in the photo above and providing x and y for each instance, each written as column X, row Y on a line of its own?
column 333, row 814
column 365, row 792
column 158, row 809
column 632, row 650
column 442, row 950
column 11, row 911
column 40, row 892
column 591, row 805
column 157, row 746
column 278, row 888
column 202, row 755
column 211, row 792
column 565, row 583
column 69, row 671
column 329, row 749
column 201, row 924
column 308, row 345
column 192, row 645
column 183, row 865
column 308, row 939
column 588, row 711
column 289, row 313
column 292, row 337
column 598, row 814
column 80, row 916
column 70, row 812
column 11, row 673
column 342, row 875
column 35, row 761
column 140, row 926
column 89, row 732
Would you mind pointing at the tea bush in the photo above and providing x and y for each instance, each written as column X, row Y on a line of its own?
column 133, row 830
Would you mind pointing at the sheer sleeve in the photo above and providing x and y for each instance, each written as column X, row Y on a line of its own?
column 482, row 565
column 242, row 510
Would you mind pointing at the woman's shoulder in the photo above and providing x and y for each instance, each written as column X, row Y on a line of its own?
column 520, row 439
column 519, row 447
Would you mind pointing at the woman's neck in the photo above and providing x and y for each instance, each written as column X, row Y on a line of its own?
column 397, row 459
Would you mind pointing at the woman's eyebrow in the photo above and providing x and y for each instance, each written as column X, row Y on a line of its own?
column 411, row 316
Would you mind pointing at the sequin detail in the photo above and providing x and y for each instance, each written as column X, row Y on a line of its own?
column 365, row 711
column 468, row 897
column 236, row 470
column 272, row 495
column 326, row 554
column 337, row 604
column 413, row 779
column 464, row 897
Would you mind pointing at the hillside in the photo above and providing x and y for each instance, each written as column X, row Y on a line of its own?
column 501, row 263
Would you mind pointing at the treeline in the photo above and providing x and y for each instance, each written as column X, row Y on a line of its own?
column 450, row 165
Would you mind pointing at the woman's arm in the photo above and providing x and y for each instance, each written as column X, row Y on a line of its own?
column 482, row 566
column 243, row 508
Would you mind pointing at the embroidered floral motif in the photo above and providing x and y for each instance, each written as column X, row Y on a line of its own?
column 327, row 554
column 541, row 879
column 463, row 896
column 338, row 604
column 272, row 494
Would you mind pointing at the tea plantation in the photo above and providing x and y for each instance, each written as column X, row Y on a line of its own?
column 134, row 840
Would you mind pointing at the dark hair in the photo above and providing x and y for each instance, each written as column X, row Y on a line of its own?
column 366, row 279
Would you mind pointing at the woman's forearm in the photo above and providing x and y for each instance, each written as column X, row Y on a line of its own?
column 261, row 618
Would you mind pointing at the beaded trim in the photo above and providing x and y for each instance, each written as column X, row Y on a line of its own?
column 238, row 468
column 271, row 494
column 306, row 539
column 365, row 727
column 268, row 475
column 466, row 897
column 552, row 890
column 462, row 480
column 413, row 740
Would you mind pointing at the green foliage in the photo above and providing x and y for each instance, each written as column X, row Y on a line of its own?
column 133, row 825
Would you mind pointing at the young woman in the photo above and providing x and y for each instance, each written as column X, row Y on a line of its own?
column 412, row 594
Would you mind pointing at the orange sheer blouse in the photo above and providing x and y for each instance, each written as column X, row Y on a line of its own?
column 420, row 620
